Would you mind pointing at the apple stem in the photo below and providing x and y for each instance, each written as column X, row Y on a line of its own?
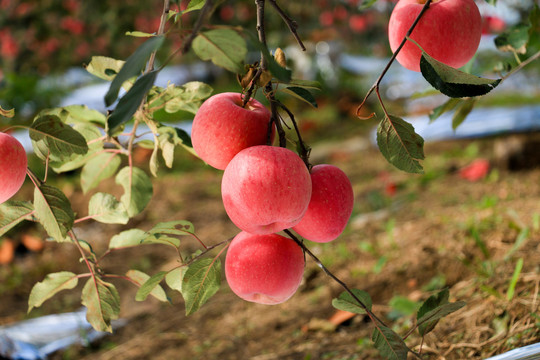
column 375, row 86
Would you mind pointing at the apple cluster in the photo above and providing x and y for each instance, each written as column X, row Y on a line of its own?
column 267, row 189
column 13, row 164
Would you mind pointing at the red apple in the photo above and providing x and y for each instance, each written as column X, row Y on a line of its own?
column 266, row 189
column 222, row 127
column 13, row 164
column 330, row 206
column 449, row 31
column 266, row 269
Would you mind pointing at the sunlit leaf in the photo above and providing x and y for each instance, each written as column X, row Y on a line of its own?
column 150, row 286
column 14, row 212
column 174, row 278
column 50, row 286
column 107, row 209
column 194, row 5
column 452, row 82
column 51, row 137
column 201, row 281
column 138, row 189
column 390, row 345
column 98, row 168
column 127, row 238
column 102, row 302
column 7, row 113
column 346, row 302
column 104, row 67
column 400, row 144
column 53, row 210
column 141, row 278
column 140, row 34
column 224, row 47
column 133, row 67
column 187, row 97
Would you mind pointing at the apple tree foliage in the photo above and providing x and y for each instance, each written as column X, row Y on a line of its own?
column 97, row 145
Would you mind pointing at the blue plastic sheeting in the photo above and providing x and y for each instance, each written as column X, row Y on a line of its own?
column 481, row 122
column 34, row 339
column 531, row 352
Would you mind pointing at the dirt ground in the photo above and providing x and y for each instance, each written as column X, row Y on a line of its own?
column 409, row 236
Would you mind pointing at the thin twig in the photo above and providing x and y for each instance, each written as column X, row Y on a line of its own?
column 335, row 278
column 394, row 55
column 304, row 153
column 291, row 24
column 198, row 25
column 161, row 30
column 521, row 65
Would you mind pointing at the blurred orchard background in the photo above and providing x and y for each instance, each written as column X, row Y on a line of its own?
column 465, row 224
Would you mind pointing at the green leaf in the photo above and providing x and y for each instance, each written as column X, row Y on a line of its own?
column 133, row 67
column 514, row 39
column 433, row 309
column 201, row 281
column 92, row 135
column 141, row 278
column 51, row 137
column 346, row 302
column 367, row 4
column 441, row 109
column 302, row 94
column 138, row 189
column 515, row 277
column 139, row 34
column 400, row 144
column 127, row 238
column 50, row 286
column 462, row 112
column 102, row 302
column 14, row 212
column 194, row 5
column 98, row 168
column 187, row 97
column 104, row 67
column 7, row 113
column 106, row 209
column 306, row 84
column 390, row 345
column 224, row 47
column 53, row 210
column 174, row 278
column 178, row 227
column 131, row 101
column 150, row 286
column 82, row 114
column 452, row 82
